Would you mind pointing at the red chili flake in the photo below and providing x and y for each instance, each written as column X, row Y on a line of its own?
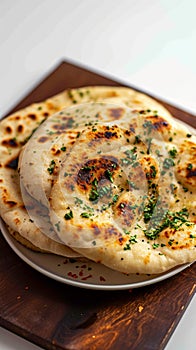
column 65, row 261
column 101, row 278
column 26, row 288
column 83, row 267
column 73, row 275
column 86, row 277
column 81, row 273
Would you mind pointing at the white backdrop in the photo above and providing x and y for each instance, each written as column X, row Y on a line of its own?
column 148, row 43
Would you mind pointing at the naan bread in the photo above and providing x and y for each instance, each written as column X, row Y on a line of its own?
column 125, row 177
column 118, row 199
column 48, row 147
column 15, row 131
column 40, row 160
column 118, row 155
column 24, row 241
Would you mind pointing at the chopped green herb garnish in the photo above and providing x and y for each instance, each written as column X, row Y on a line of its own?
column 149, row 208
column 87, row 168
column 185, row 189
column 149, row 141
column 132, row 185
column 127, row 247
column 170, row 219
column 121, row 205
column 105, row 191
column 148, row 125
column 152, row 173
column 126, row 161
column 80, row 93
column 52, row 166
column 66, row 174
column 57, row 226
column 94, row 182
column 171, row 241
column 108, row 175
column 78, row 201
column 68, row 216
column 135, row 165
column 173, row 187
column 168, row 163
column 115, row 198
column 137, row 139
column 190, row 166
column 155, row 245
column 94, row 195
column 173, row 152
column 158, row 152
column 85, row 215
column 132, row 239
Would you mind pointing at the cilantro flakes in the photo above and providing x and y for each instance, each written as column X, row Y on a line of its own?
column 108, row 175
column 173, row 152
column 168, row 163
column 51, row 167
column 173, row 220
column 69, row 215
column 190, row 166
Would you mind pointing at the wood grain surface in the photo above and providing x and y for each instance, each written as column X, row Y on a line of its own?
column 56, row 316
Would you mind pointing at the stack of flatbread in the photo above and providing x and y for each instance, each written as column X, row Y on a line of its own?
column 104, row 173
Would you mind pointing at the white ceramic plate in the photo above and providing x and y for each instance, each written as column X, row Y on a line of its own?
column 83, row 274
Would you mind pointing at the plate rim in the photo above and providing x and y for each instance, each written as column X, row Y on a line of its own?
column 14, row 245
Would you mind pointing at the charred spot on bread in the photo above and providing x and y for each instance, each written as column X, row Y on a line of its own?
column 12, row 143
column 12, row 163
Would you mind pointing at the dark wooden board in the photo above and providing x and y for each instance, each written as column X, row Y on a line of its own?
column 56, row 316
